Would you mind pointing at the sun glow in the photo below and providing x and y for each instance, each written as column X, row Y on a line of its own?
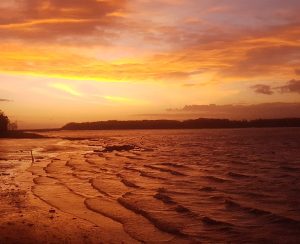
column 108, row 56
column 66, row 88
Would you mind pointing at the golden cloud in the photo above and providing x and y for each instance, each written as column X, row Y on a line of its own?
column 194, row 52
column 53, row 19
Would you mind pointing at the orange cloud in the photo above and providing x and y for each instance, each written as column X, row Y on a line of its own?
column 191, row 52
column 52, row 19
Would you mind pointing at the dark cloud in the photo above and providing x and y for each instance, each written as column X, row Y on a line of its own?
column 4, row 100
column 262, row 89
column 293, row 86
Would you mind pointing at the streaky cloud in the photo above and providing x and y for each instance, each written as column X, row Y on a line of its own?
column 240, row 111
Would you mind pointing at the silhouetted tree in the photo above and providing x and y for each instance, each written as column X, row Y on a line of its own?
column 4, row 122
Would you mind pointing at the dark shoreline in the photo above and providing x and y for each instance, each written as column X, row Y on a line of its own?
column 201, row 123
column 20, row 135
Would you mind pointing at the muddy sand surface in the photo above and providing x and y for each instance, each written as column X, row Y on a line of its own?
column 25, row 218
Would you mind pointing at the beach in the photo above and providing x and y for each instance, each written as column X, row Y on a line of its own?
column 26, row 218
column 156, row 186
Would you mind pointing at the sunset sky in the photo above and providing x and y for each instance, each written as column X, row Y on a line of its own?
column 87, row 60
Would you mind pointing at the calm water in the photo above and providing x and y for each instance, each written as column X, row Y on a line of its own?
column 240, row 185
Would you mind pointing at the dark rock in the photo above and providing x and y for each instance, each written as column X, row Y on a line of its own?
column 119, row 148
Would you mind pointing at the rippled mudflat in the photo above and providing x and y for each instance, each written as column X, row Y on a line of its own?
column 179, row 186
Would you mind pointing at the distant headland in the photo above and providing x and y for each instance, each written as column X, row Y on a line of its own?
column 201, row 123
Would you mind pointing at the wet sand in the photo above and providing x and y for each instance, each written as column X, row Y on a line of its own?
column 25, row 218
column 202, row 186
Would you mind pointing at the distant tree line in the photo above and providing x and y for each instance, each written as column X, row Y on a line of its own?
column 200, row 123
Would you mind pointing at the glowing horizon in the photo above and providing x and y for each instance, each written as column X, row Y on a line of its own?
column 65, row 60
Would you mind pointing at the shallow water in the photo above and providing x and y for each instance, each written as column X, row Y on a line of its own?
column 234, row 185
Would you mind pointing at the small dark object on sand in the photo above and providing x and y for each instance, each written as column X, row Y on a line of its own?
column 119, row 148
